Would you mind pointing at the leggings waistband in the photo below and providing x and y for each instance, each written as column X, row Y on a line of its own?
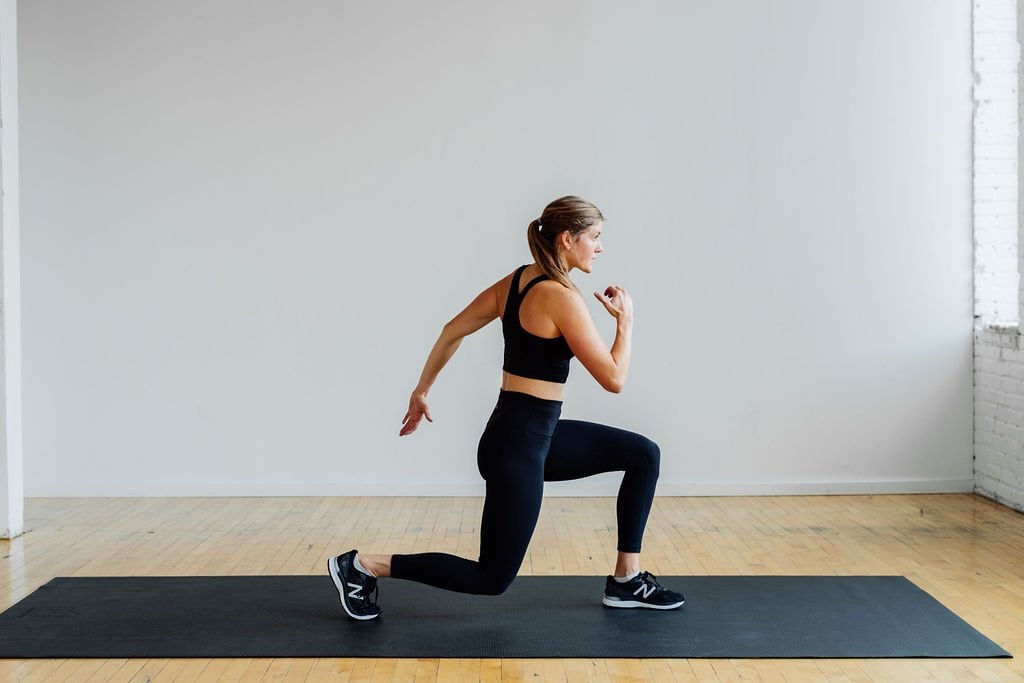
column 516, row 409
column 520, row 397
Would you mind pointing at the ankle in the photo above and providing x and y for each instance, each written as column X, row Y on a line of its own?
column 362, row 565
column 378, row 565
column 627, row 564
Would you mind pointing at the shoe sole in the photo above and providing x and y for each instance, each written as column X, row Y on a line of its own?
column 612, row 602
column 335, row 572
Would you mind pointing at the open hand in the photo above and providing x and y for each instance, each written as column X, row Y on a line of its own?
column 418, row 409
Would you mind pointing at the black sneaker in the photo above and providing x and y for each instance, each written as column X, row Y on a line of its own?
column 354, row 587
column 642, row 590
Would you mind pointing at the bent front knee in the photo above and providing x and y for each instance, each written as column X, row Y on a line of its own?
column 650, row 455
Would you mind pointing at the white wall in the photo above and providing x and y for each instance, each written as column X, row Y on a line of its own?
column 12, row 479
column 245, row 223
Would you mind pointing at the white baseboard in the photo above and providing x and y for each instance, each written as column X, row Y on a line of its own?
column 817, row 488
column 605, row 485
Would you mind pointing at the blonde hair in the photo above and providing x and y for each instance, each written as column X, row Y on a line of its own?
column 569, row 213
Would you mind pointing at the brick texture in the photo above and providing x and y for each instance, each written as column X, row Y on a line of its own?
column 998, row 351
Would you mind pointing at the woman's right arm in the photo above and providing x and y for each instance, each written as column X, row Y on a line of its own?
column 482, row 310
column 609, row 367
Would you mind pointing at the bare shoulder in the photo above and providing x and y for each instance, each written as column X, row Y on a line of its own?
column 559, row 300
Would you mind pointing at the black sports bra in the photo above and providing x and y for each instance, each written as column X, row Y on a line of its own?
column 528, row 355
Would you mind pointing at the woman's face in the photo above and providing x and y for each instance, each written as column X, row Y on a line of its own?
column 584, row 250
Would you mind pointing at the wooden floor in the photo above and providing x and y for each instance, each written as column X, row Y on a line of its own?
column 965, row 550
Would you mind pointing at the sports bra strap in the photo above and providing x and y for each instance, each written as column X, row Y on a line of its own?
column 515, row 297
column 511, row 301
column 530, row 284
column 515, row 277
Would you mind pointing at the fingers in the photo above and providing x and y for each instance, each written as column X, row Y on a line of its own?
column 412, row 420
column 616, row 300
column 410, row 426
column 612, row 291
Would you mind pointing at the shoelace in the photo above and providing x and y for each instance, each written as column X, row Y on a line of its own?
column 652, row 580
column 373, row 591
column 367, row 587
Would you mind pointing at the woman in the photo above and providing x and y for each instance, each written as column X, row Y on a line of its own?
column 545, row 323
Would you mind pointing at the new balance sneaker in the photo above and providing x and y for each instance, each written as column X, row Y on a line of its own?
column 354, row 587
column 642, row 590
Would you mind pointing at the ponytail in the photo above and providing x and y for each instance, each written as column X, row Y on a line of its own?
column 569, row 213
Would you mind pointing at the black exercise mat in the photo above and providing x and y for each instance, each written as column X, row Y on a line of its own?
column 540, row 616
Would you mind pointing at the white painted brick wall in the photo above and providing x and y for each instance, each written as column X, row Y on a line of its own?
column 996, row 254
column 998, row 351
column 999, row 416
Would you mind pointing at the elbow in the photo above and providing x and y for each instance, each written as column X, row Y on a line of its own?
column 611, row 378
column 451, row 331
column 614, row 385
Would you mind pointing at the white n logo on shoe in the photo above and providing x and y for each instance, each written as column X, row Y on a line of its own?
column 355, row 590
column 645, row 589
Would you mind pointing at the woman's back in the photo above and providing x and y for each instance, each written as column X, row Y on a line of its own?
column 534, row 317
column 528, row 354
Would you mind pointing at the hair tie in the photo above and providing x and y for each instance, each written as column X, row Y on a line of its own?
column 540, row 226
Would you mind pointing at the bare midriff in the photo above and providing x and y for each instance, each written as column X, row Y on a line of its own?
column 551, row 391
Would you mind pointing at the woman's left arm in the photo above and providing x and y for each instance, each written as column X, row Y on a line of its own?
column 482, row 310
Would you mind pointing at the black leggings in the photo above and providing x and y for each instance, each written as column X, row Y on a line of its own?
column 524, row 445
